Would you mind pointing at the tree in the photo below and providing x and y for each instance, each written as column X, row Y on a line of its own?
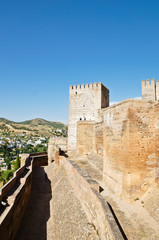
column 6, row 176
column 16, row 163
column 7, row 160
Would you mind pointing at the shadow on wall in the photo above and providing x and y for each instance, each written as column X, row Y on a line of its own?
column 34, row 223
column 63, row 153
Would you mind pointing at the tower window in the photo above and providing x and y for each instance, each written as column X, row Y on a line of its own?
column 80, row 119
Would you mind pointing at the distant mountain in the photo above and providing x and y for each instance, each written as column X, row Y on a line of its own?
column 37, row 126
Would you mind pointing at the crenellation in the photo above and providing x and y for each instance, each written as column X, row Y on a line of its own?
column 148, row 82
column 153, row 81
column 100, row 85
column 149, row 90
column 83, row 86
column 143, row 82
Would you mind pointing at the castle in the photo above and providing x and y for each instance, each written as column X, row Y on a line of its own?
column 125, row 134
column 66, row 200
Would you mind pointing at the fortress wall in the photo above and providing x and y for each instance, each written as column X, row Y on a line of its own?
column 54, row 145
column 131, row 147
column 85, row 137
column 94, row 205
column 13, row 192
column 157, row 90
column 89, row 138
column 99, row 138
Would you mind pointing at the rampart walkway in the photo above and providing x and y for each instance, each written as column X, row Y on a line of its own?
column 53, row 211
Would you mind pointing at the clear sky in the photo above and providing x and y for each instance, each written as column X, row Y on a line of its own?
column 47, row 45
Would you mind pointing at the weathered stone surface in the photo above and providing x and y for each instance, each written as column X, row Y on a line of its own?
column 89, row 138
column 131, row 147
column 148, row 90
column 54, row 212
column 54, row 145
column 84, row 102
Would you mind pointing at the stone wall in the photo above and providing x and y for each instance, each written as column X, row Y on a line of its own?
column 89, row 138
column 150, row 91
column 54, row 145
column 131, row 147
column 94, row 205
column 16, row 194
column 157, row 90
column 85, row 137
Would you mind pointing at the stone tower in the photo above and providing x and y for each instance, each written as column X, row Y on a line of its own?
column 84, row 102
column 150, row 91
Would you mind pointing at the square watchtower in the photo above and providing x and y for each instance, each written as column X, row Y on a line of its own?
column 84, row 103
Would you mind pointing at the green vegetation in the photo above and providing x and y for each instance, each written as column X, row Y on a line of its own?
column 37, row 126
column 57, row 125
column 5, row 176
column 24, row 137
column 21, row 128
column 16, row 163
column 27, row 122
column 31, row 149
column 11, row 154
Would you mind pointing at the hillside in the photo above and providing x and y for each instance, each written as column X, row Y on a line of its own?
column 37, row 126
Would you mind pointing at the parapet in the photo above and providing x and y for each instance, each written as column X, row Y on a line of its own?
column 148, row 82
column 149, row 90
column 82, row 86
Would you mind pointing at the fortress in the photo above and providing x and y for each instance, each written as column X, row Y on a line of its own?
column 125, row 134
column 101, row 183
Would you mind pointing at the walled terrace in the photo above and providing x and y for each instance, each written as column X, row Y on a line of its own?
column 58, row 201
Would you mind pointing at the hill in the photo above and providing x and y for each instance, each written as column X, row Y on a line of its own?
column 37, row 126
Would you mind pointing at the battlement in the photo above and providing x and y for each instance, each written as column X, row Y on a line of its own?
column 148, row 82
column 83, row 86
column 149, row 89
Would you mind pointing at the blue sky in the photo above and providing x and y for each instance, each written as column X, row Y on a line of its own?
column 45, row 46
